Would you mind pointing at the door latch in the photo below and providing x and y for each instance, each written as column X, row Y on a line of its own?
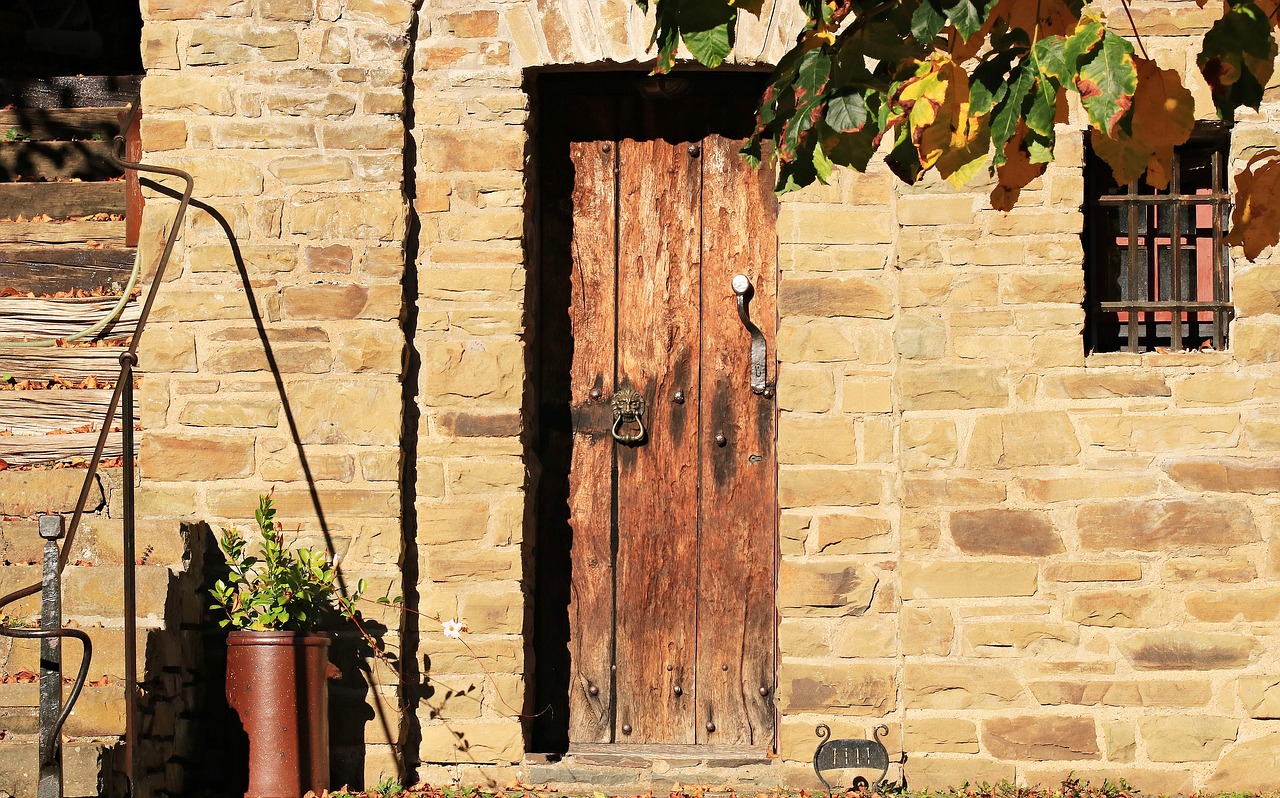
column 628, row 408
column 759, row 371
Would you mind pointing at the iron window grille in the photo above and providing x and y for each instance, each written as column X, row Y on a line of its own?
column 1156, row 269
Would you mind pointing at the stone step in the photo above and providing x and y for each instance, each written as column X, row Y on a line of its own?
column 98, row 711
column 61, row 199
column 648, row 772
column 108, row 233
column 87, row 765
column 47, row 270
column 59, row 124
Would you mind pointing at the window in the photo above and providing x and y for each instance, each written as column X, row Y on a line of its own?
column 1155, row 265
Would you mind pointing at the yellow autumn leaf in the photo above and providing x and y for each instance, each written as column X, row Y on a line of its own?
column 1255, row 220
column 1016, row 172
column 1163, row 117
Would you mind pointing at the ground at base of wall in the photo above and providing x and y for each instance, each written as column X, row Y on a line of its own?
column 1076, row 787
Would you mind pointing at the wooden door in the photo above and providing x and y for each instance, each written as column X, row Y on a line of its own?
column 671, row 611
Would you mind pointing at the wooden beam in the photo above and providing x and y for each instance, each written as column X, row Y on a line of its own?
column 22, row 450
column 79, row 232
column 48, row 270
column 51, row 160
column 57, row 318
column 42, row 412
column 61, row 200
column 68, row 364
column 53, row 124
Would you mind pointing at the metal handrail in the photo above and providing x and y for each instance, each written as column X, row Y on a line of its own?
column 123, row 390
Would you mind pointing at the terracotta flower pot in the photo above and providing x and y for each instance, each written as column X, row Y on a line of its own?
column 276, row 683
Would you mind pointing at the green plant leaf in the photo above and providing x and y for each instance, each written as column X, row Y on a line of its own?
column 707, row 28
column 846, row 113
column 1107, row 82
column 1238, row 57
column 1008, row 112
column 927, row 22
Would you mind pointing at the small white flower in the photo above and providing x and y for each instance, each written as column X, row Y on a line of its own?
column 454, row 628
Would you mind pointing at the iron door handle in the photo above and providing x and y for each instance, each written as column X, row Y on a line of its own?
column 628, row 408
column 759, row 371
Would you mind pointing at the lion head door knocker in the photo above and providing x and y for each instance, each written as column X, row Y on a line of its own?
column 628, row 409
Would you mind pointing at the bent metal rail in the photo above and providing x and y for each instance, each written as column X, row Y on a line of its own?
column 121, row 396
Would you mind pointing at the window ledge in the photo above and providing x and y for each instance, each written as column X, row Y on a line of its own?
column 1153, row 359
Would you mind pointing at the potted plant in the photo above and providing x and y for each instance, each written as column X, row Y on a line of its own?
column 275, row 598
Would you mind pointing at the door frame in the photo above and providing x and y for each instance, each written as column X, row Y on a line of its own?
column 548, row 536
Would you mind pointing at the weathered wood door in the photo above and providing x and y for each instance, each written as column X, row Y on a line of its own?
column 671, row 613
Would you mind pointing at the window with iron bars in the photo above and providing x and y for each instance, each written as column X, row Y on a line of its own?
column 1156, row 271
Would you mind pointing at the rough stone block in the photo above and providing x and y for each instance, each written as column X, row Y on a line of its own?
column 366, row 215
column 185, row 457
column 829, row 486
column 848, row 533
column 1227, row 606
column 1143, row 608
column 825, row 587
column 1011, row 440
column 967, row 579
column 1248, row 767
column 805, row 390
column 1260, row 477
column 1260, row 696
column 1024, row 533
column 927, row 630
column 941, row 735
column 1182, row 693
column 845, row 688
column 217, row 45
column 831, row 297
column 29, row 493
column 1160, row 525
column 1093, row 571
column 1042, row 738
column 953, row 687
column 931, row 491
column 952, row 387
column 1179, row 650
column 813, row 441
column 1187, row 738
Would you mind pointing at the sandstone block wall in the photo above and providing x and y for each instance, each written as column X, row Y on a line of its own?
column 1026, row 561
column 275, row 351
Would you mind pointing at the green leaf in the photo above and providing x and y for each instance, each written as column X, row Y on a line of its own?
column 1044, row 106
column 966, row 17
column 904, row 159
column 846, row 113
column 822, row 165
column 1004, row 119
column 1077, row 45
column 1050, row 55
column 988, row 84
column 927, row 22
column 1107, row 82
column 1238, row 57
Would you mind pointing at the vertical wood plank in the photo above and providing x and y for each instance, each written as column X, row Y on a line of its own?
column 657, row 482
column 592, row 318
column 738, row 527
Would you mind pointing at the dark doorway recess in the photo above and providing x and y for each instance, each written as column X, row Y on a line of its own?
column 49, row 38
column 619, row 157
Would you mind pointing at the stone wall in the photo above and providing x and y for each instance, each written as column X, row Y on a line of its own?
column 1023, row 560
column 274, row 354
column 1026, row 561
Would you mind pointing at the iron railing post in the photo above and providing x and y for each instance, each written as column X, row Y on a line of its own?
column 50, row 784
column 128, row 360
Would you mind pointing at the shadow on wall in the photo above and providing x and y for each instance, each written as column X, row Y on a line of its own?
column 217, row 728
